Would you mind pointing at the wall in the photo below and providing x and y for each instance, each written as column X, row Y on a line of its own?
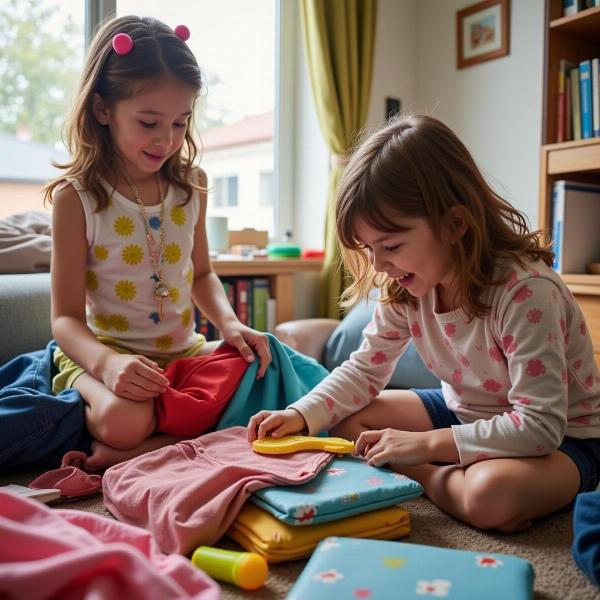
column 495, row 107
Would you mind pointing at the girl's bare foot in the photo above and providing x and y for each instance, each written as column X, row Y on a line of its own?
column 104, row 456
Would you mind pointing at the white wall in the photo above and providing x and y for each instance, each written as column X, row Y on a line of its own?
column 495, row 107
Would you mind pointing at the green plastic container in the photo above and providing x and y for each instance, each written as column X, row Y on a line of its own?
column 283, row 250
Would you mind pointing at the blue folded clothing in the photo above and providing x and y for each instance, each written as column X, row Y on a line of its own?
column 359, row 568
column 349, row 486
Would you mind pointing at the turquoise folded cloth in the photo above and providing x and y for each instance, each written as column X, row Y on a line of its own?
column 290, row 376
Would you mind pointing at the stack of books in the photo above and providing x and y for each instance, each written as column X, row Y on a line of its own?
column 578, row 109
column 251, row 301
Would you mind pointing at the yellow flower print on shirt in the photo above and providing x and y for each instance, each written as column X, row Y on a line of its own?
column 132, row 254
column 91, row 281
column 174, row 295
column 178, row 215
column 125, row 290
column 102, row 322
column 164, row 342
column 172, row 253
column 123, row 226
column 100, row 252
column 119, row 322
column 186, row 317
column 189, row 276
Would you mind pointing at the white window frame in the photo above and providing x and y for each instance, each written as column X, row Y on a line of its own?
column 283, row 133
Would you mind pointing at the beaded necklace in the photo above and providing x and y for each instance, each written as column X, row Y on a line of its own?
column 157, row 256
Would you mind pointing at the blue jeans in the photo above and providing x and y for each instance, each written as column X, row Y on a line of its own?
column 37, row 427
column 584, row 453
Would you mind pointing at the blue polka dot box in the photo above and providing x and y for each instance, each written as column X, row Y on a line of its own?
column 350, row 568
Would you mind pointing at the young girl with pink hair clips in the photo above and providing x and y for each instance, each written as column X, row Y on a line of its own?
column 130, row 255
column 513, row 433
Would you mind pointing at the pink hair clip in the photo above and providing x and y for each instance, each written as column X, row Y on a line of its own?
column 122, row 44
column 182, row 32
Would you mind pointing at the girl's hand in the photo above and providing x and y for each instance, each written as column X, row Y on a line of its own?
column 276, row 423
column 134, row 377
column 245, row 340
column 392, row 446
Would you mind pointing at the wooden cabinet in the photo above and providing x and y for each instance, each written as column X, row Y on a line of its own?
column 279, row 272
column 574, row 38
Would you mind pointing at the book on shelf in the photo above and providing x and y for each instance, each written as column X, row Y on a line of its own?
column 572, row 7
column 575, row 105
column 568, row 105
column 596, row 96
column 585, row 96
column 575, row 218
column 243, row 296
column 563, row 113
column 271, row 314
column 260, row 295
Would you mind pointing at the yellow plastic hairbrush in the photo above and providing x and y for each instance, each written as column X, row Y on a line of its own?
column 294, row 443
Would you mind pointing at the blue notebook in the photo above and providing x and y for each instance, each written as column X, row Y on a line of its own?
column 348, row 486
column 350, row 568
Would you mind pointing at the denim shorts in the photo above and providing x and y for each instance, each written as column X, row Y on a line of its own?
column 584, row 453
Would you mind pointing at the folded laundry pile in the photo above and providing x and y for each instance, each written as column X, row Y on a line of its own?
column 348, row 498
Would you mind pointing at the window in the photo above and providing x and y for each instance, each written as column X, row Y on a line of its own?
column 225, row 191
column 234, row 42
column 41, row 54
column 245, row 50
column 267, row 189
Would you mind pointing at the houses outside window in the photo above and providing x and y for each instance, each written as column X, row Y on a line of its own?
column 235, row 44
column 267, row 189
column 41, row 55
column 225, row 192
column 235, row 111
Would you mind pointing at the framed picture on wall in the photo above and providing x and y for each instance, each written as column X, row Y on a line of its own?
column 482, row 32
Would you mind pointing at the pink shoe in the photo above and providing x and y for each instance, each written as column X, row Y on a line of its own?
column 69, row 479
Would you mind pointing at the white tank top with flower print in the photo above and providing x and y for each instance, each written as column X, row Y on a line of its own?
column 120, row 299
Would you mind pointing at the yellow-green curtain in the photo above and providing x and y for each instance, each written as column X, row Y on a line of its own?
column 339, row 39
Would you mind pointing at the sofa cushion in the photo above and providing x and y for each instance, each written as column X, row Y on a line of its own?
column 24, row 313
column 410, row 372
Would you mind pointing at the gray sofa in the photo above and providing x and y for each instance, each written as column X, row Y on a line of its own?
column 24, row 313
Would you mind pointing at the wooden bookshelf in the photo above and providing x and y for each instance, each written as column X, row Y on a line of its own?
column 574, row 38
column 279, row 272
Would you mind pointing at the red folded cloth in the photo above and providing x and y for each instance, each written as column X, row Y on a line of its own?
column 201, row 387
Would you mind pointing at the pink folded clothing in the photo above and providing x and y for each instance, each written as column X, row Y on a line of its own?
column 189, row 493
column 200, row 388
column 77, row 555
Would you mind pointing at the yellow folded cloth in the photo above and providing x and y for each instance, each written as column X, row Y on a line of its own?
column 258, row 531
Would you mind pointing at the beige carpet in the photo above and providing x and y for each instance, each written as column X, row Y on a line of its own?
column 547, row 545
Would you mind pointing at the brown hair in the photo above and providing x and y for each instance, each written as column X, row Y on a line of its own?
column 157, row 52
column 416, row 167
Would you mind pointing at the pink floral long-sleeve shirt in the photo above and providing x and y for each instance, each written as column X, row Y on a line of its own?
column 518, row 379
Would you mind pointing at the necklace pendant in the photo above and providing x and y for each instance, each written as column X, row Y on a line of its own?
column 161, row 291
column 150, row 239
